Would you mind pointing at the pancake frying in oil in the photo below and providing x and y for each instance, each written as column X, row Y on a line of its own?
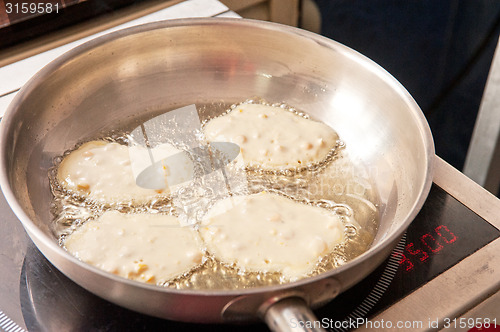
column 272, row 137
column 270, row 233
column 105, row 172
column 151, row 248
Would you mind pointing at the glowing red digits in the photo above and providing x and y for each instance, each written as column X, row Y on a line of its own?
column 450, row 234
column 419, row 252
column 426, row 243
column 404, row 260
column 433, row 245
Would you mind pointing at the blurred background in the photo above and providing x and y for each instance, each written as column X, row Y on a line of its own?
column 440, row 50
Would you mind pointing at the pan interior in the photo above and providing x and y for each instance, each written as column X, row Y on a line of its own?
column 119, row 82
column 337, row 185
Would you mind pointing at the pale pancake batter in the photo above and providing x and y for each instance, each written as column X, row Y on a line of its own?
column 272, row 137
column 105, row 172
column 151, row 248
column 270, row 233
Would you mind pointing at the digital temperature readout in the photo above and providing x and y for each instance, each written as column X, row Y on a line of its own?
column 443, row 233
column 429, row 244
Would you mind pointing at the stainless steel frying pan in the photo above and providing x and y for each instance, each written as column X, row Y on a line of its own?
column 130, row 75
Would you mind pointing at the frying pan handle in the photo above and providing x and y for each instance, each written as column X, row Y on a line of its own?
column 291, row 314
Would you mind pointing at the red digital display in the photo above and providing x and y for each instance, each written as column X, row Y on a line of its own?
column 430, row 244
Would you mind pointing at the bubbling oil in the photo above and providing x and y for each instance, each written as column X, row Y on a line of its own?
column 336, row 184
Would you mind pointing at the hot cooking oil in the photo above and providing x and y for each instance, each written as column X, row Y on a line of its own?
column 336, row 184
